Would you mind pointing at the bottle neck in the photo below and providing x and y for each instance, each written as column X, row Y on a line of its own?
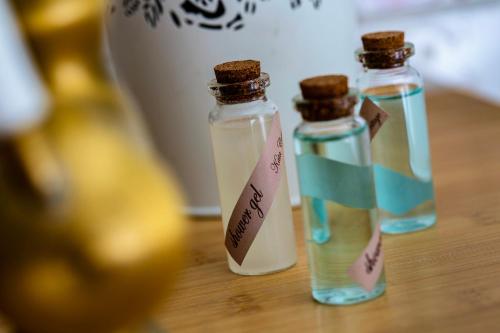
column 397, row 69
column 321, row 110
column 241, row 102
column 385, row 59
column 381, row 67
column 240, row 92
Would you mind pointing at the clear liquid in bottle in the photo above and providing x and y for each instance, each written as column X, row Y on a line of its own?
column 336, row 235
column 237, row 146
column 402, row 145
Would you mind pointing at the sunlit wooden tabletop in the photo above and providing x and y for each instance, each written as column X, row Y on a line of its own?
column 445, row 279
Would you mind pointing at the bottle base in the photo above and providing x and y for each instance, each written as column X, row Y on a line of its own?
column 396, row 226
column 261, row 272
column 347, row 296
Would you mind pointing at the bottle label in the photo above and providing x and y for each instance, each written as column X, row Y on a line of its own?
column 374, row 116
column 347, row 184
column 257, row 196
column 361, row 187
column 367, row 268
column 353, row 185
column 399, row 194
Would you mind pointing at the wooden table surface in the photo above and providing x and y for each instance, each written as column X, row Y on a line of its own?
column 445, row 279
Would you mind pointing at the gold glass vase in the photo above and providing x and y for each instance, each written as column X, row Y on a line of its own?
column 91, row 228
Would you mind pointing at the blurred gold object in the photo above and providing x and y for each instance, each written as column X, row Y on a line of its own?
column 91, row 230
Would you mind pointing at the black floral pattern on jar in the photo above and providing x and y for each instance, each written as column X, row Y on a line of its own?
column 206, row 14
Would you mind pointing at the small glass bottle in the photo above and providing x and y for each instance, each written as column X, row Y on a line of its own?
column 240, row 126
column 338, row 197
column 401, row 147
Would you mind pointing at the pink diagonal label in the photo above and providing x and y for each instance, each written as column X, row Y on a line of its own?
column 257, row 196
column 374, row 116
column 367, row 268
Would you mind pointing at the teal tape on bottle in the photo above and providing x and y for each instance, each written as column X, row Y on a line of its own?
column 346, row 184
column 353, row 186
column 399, row 194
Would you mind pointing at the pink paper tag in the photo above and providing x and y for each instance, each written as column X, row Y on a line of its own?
column 257, row 196
column 374, row 116
column 367, row 268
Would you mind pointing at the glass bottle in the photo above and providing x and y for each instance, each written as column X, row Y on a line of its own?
column 401, row 148
column 240, row 124
column 333, row 150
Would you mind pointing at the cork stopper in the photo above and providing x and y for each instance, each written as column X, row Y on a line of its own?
column 385, row 40
column 237, row 71
column 239, row 82
column 324, row 87
column 325, row 98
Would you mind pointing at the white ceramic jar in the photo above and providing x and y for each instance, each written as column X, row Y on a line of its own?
column 164, row 52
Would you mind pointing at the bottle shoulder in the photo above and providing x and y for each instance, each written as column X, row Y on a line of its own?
column 250, row 110
column 330, row 130
column 379, row 78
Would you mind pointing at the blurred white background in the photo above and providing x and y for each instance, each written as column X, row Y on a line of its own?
column 457, row 41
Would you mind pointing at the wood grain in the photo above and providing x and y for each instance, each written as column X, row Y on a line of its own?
column 446, row 279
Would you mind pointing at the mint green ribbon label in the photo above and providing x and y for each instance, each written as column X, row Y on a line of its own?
column 326, row 179
column 399, row 194
column 361, row 187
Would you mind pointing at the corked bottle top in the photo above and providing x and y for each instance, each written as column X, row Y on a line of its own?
column 385, row 40
column 327, row 86
column 385, row 49
column 239, row 82
column 325, row 98
column 237, row 71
